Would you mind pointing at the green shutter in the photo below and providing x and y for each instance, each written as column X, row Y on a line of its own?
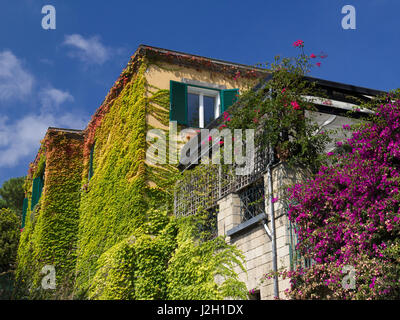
column 90, row 175
column 178, row 102
column 37, row 187
column 228, row 98
column 24, row 209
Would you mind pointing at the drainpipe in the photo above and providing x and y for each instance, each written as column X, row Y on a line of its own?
column 271, row 233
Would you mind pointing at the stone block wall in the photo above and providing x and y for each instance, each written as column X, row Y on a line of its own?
column 253, row 240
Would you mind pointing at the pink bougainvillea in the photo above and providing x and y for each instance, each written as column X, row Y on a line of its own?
column 349, row 215
column 298, row 43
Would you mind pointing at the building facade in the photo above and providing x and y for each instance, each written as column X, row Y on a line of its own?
column 88, row 190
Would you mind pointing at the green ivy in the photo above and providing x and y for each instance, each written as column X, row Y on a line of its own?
column 115, row 237
column 202, row 269
column 50, row 233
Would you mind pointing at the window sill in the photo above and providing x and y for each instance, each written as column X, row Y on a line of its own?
column 246, row 225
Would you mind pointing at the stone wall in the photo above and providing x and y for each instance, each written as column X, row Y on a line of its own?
column 251, row 237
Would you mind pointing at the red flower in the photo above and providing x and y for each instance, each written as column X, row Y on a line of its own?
column 283, row 90
column 318, row 64
column 237, row 75
column 313, row 56
column 295, row 105
column 298, row 43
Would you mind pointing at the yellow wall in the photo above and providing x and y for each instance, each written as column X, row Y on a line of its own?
column 160, row 75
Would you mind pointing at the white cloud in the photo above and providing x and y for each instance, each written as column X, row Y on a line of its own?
column 88, row 50
column 52, row 98
column 22, row 138
column 15, row 81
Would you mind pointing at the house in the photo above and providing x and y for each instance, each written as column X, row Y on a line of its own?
column 88, row 190
column 250, row 209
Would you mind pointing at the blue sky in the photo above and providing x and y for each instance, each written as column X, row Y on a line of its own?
column 59, row 77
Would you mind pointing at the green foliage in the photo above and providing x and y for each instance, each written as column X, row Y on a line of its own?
column 116, row 238
column 119, row 172
column 9, row 237
column 3, row 203
column 201, row 270
column 41, row 166
column 135, row 268
column 12, row 194
column 50, row 233
column 278, row 110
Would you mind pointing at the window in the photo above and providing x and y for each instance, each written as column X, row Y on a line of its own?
column 90, row 173
column 252, row 201
column 296, row 258
column 254, row 295
column 37, row 187
column 203, row 106
column 197, row 106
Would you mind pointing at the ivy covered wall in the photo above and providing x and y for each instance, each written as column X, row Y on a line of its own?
column 117, row 197
column 50, row 233
column 112, row 235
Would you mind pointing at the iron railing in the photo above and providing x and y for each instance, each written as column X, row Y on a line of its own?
column 203, row 188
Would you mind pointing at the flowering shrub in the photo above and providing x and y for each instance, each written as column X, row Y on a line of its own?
column 348, row 215
column 277, row 109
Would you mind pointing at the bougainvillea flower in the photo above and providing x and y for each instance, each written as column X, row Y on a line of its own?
column 318, row 64
column 237, row 75
column 295, row 105
column 222, row 126
column 298, row 43
column 313, row 56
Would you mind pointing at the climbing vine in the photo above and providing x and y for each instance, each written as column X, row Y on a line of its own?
column 50, row 233
column 112, row 235
column 128, row 241
column 277, row 110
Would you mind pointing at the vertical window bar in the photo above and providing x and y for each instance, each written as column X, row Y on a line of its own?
column 201, row 110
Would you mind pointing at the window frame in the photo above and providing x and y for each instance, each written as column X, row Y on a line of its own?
column 91, row 159
column 203, row 91
column 178, row 110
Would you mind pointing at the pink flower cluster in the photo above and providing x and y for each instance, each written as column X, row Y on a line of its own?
column 350, row 211
column 298, row 43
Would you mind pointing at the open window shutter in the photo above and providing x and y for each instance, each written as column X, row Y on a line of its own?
column 24, row 209
column 178, row 102
column 228, row 98
column 37, row 186
column 90, row 175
